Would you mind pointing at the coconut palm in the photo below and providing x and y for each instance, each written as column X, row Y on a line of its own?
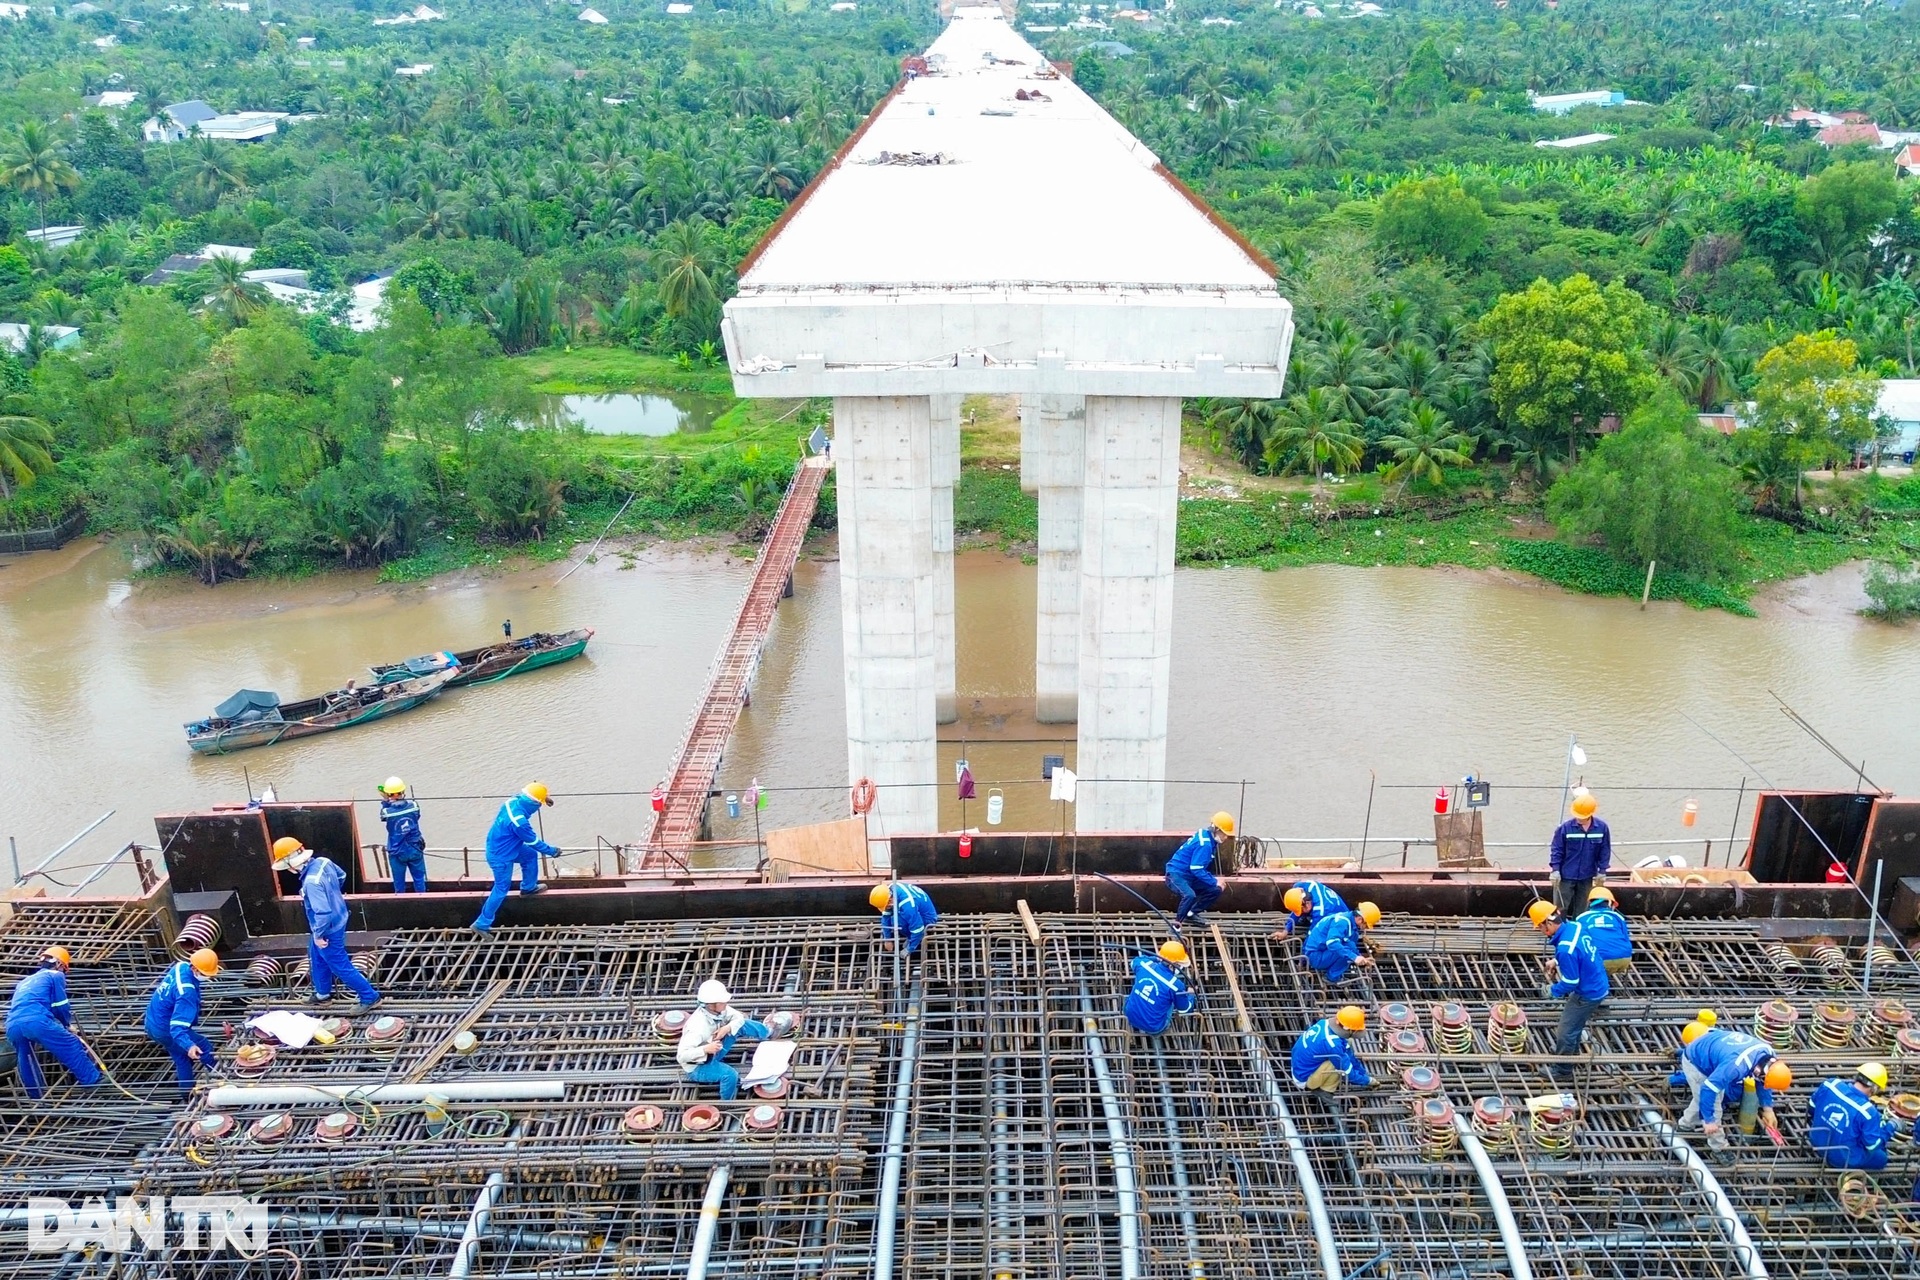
column 24, row 445
column 234, row 296
column 214, row 173
column 687, row 265
column 34, row 167
column 1312, row 433
column 1425, row 447
column 1245, row 426
column 1674, row 351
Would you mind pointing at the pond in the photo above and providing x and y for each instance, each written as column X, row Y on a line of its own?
column 629, row 413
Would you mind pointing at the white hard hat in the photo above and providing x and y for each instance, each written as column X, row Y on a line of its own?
column 714, row 991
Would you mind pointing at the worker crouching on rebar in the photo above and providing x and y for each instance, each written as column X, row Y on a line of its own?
column 1722, row 1060
column 1190, row 869
column 40, row 1014
column 1846, row 1126
column 1308, row 903
column 709, row 1035
column 905, row 912
column 173, row 1012
column 1579, row 977
column 1611, row 938
column 1334, row 946
column 326, row 907
column 1324, row 1060
column 1160, row 989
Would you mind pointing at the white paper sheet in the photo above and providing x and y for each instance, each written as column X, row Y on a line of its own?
column 770, row 1061
column 295, row 1030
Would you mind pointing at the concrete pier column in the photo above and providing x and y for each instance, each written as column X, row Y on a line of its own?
column 883, row 468
column 1130, row 502
column 945, row 421
column 1053, row 464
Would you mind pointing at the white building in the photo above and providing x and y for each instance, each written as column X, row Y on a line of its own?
column 13, row 12
column 417, row 69
column 1558, row 104
column 55, row 237
column 420, row 13
column 1900, row 405
column 180, row 121
column 1577, row 140
column 13, row 337
column 112, row 99
column 593, row 16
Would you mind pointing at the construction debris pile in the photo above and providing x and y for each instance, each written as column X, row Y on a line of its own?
column 978, row 1110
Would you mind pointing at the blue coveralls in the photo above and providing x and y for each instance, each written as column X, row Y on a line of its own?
column 1847, row 1128
column 406, row 847
column 1321, row 903
column 1190, row 874
column 910, row 914
column 513, row 842
column 1579, row 855
column 1333, row 945
column 171, row 1014
column 716, row 1070
column 1159, row 992
column 1583, row 981
column 40, row 1014
column 326, row 908
column 1324, row 1043
column 1609, row 930
column 1719, row 1061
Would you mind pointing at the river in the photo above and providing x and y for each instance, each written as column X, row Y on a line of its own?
column 1298, row 682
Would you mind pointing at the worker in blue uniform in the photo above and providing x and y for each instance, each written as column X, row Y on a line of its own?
column 1308, row 903
column 1846, row 1126
column 1611, row 938
column 40, row 1015
column 1334, row 945
column 406, row 846
column 1323, row 1058
column 173, row 1012
column 1580, row 979
column 1703, row 1022
column 1581, row 851
column 1160, row 989
column 905, row 912
column 1190, row 869
column 326, row 906
column 1722, row 1060
column 513, row 842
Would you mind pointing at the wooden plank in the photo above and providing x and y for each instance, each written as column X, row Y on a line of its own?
column 822, row 848
column 1026, row 918
column 467, row 1019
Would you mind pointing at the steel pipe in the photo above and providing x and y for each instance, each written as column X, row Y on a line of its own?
column 1726, row 1217
column 422, row 1229
column 709, row 1222
column 1189, row 1225
column 1497, row 1196
column 887, row 1207
column 226, row 1096
column 1123, row 1183
column 496, row 1185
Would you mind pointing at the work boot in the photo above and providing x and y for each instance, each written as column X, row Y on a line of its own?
column 528, row 893
column 357, row 1010
column 314, row 997
column 479, row 932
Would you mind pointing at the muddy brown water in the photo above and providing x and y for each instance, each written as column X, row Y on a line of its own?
column 1298, row 682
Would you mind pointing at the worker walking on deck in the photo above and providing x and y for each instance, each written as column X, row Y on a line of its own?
column 1190, row 870
column 513, row 842
column 326, row 906
column 905, row 912
column 1334, row 945
column 1581, row 979
column 406, row 846
column 41, row 1016
column 1582, row 850
column 173, row 1012
column 709, row 1035
column 1844, row 1123
column 1308, row 903
column 1722, row 1060
column 1160, row 989
column 1611, row 938
column 1323, row 1058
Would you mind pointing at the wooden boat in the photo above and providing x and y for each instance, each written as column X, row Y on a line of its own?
column 251, row 718
column 491, row 662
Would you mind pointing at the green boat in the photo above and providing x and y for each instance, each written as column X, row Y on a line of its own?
column 492, row 662
column 253, row 718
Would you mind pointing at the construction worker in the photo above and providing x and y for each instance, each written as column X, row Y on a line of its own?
column 1580, row 978
column 1334, row 945
column 1322, row 1058
column 905, row 912
column 1611, row 939
column 513, row 842
column 1703, row 1022
column 1190, row 870
column 709, row 1035
column 1308, row 903
column 1844, row 1123
column 41, row 1015
column 1582, row 850
column 1160, row 989
column 1721, row 1060
column 406, row 846
column 326, row 906
column 174, row 1009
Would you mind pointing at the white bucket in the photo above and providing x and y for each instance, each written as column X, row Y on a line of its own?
column 996, row 804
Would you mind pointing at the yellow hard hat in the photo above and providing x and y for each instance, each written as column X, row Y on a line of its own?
column 1692, row 1031
column 1295, row 900
column 1778, row 1076
column 1602, row 894
column 204, row 962
column 1352, row 1018
column 1540, row 912
column 286, row 847
column 1173, row 952
column 880, row 897
column 59, row 955
column 393, row 787
column 537, row 791
column 1876, row 1072
column 1224, row 821
column 1706, row 1017
column 1368, row 913
column 1584, row 806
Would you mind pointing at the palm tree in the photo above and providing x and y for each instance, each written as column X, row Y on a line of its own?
column 1674, row 351
column 24, row 443
column 1349, row 371
column 1425, row 447
column 769, row 171
column 213, row 172
column 1722, row 352
column 1310, row 432
column 34, row 168
column 687, row 265
column 1245, row 425
column 234, row 296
